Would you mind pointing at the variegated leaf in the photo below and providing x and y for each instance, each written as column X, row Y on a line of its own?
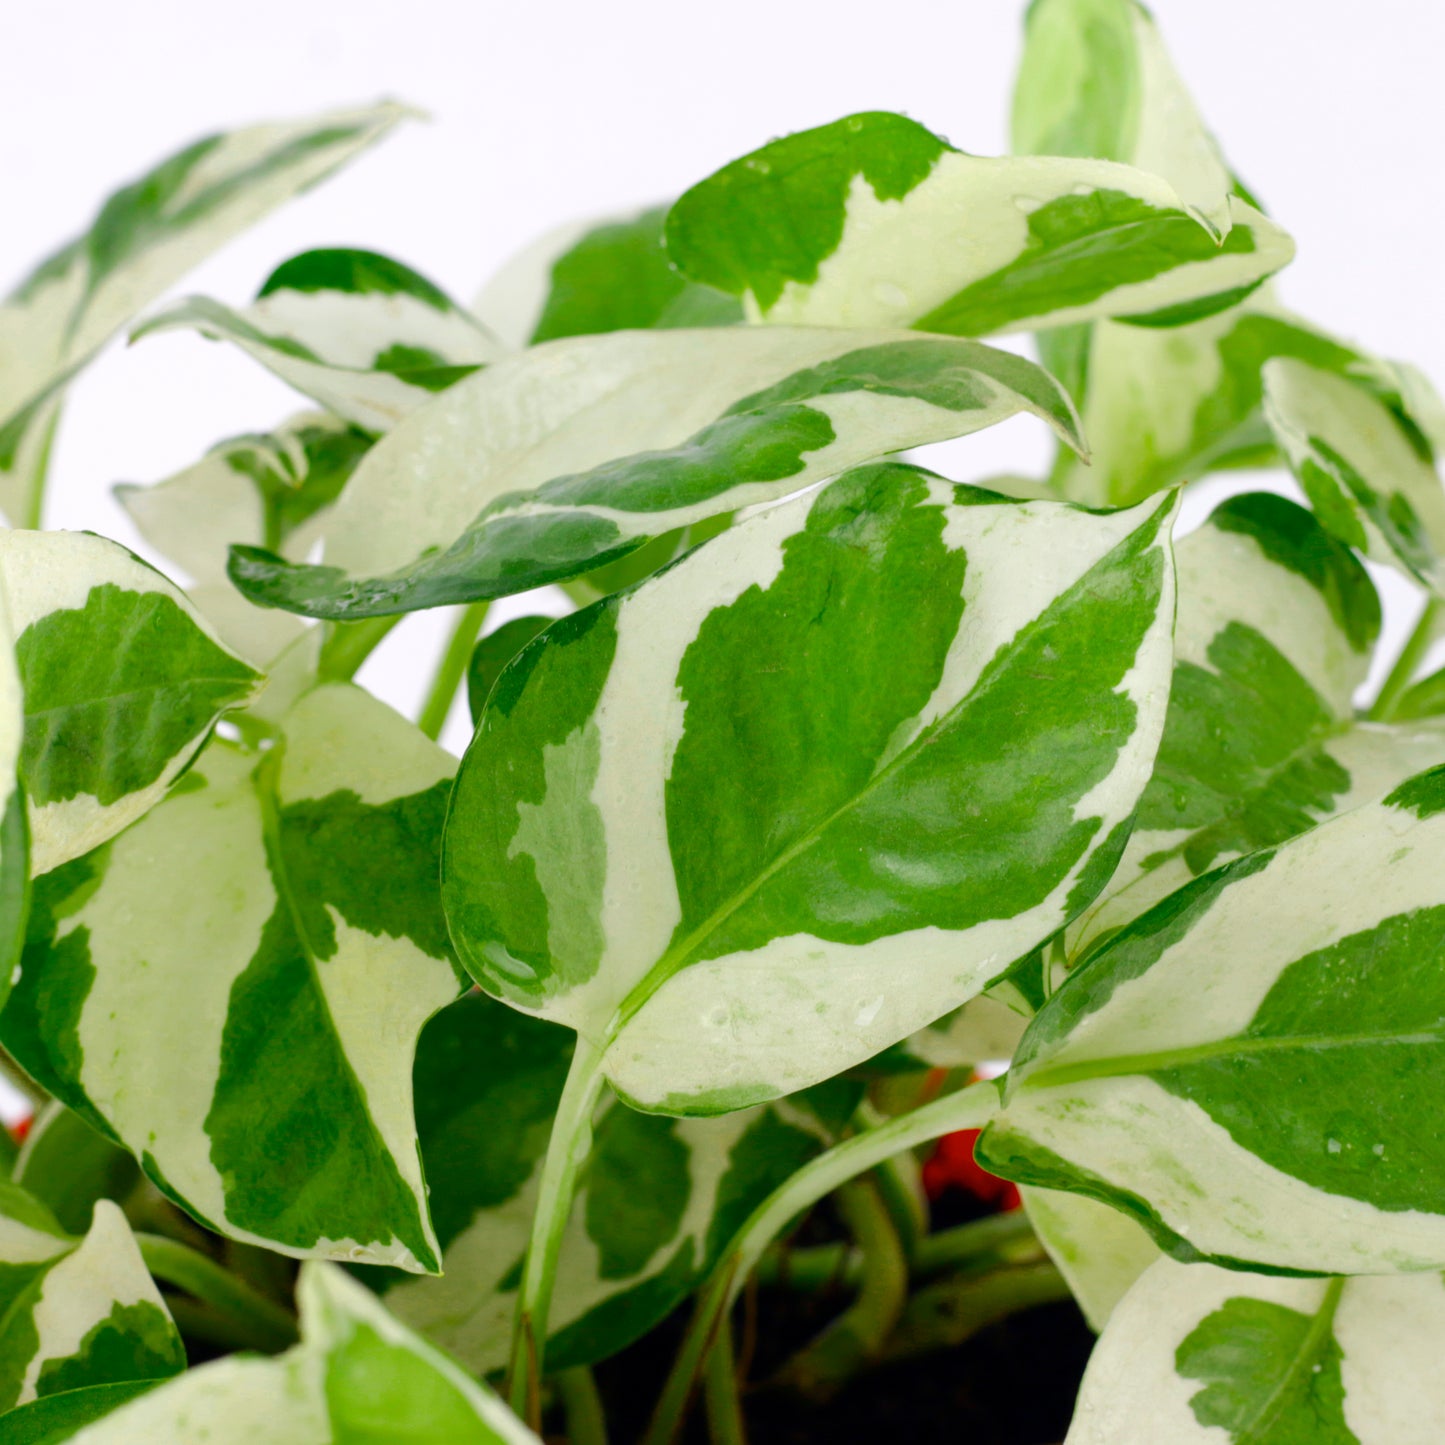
column 985, row 1030
column 276, row 922
column 146, row 236
column 1097, row 81
column 1425, row 699
column 1098, row 1250
column 578, row 452
column 123, row 682
column 589, row 277
column 357, row 1375
column 1166, row 405
column 651, row 557
column 816, row 784
column 14, row 828
column 1369, row 475
column 1196, row 1355
column 270, row 490
column 876, row 221
column 1161, row 406
column 659, row 1197
column 1276, row 625
column 363, row 335
column 76, row 1313
column 493, row 653
column 1251, row 1068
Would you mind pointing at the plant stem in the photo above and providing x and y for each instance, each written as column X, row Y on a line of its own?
column 451, row 670
column 899, row 1188
column 970, row 1108
column 859, row 1334
column 233, row 1302
column 995, row 1238
column 720, row 1392
column 954, row 1309
column 34, row 507
column 586, row 1420
column 1406, row 664
column 982, row 1243
column 350, row 644
column 566, row 1149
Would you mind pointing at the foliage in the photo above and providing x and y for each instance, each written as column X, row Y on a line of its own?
column 841, row 779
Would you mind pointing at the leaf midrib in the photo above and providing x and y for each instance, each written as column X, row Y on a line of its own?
column 1310, row 1345
column 100, row 699
column 1126, row 1065
column 674, row 959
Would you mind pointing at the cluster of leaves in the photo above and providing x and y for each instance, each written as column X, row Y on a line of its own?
column 842, row 778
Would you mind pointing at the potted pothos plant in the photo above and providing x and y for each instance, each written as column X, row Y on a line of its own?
column 590, row 1082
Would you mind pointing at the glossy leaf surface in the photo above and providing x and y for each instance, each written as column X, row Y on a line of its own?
column 1369, row 475
column 574, row 454
column 610, row 275
column 876, row 221
column 123, row 681
column 76, row 1313
column 304, row 878
column 357, row 1376
column 1196, row 1354
column 1097, row 81
column 1249, row 1067
column 1276, row 625
column 268, row 489
column 146, row 236
column 740, row 863
column 365, row 336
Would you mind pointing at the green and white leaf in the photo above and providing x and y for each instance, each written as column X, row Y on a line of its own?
column 14, row 832
column 876, row 221
column 146, row 236
column 985, row 1030
column 1097, row 81
column 1097, row 1249
column 75, row 1313
column 659, row 1198
column 1202, row 1356
column 365, row 336
column 741, row 826
column 357, row 1375
column 1277, row 621
column 1371, row 480
column 576, row 453
column 593, row 276
column 270, row 490
column 1423, row 699
column 1164, row 405
column 123, row 681
column 494, row 652
column 278, row 1110
column 1250, row 1068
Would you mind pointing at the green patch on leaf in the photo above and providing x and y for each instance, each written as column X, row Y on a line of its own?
column 353, row 272
column 114, row 690
column 775, row 215
column 1080, row 248
column 1271, row 1374
column 134, row 1342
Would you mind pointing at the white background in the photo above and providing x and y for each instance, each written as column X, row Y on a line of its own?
column 1330, row 110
